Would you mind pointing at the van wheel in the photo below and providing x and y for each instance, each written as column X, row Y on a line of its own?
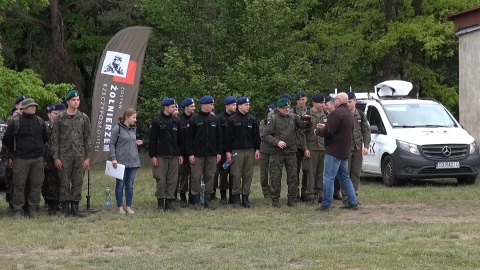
column 470, row 180
column 388, row 173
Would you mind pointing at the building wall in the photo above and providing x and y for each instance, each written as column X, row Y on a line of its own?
column 469, row 84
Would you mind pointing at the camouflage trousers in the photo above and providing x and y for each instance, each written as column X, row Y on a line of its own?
column 277, row 160
column 264, row 168
column 71, row 179
column 51, row 184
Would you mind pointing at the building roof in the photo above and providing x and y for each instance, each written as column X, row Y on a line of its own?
column 465, row 18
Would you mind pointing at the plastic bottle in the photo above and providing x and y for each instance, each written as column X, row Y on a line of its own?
column 108, row 198
column 226, row 164
column 202, row 192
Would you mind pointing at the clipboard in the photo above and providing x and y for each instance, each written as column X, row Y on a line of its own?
column 117, row 173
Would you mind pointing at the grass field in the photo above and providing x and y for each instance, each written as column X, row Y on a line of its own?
column 421, row 225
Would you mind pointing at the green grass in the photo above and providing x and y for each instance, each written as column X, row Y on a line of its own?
column 422, row 225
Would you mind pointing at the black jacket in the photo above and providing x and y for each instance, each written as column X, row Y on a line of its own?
column 166, row 136
column 204, row 135
column 184, row 123
column 30, row 139
column 242, row 132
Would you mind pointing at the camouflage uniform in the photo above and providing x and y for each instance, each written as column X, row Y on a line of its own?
column 71, row 143
column 316, row 146
column 283, row 128
column 361, row 138
column 265, row 153
column 302, row 165
column 51, row 184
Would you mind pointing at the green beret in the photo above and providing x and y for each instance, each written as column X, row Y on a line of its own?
column 283, row 102
column 71, row 94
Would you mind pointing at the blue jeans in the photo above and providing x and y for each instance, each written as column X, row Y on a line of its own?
column 126, row 183
column 336, row 167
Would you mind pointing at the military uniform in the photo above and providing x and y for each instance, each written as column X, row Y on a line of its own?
column 316, row 146
column 51, row 185
column 204, row 141
column 184, row 168
column 226, row 177
column 302, row 164
column 166, row 143
column 71, row 144
column 283, row 128
column 242, row 137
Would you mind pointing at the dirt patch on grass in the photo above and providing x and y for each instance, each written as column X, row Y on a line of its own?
column 416, row 213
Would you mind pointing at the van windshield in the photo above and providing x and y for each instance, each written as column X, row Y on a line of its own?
column 418, row 115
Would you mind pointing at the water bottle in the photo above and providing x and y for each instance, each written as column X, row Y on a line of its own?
column 108, row 198
column 226, row 164
column 202, row 192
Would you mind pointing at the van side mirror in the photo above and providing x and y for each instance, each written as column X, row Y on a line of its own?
column 374, row 129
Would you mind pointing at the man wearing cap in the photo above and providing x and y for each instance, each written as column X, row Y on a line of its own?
column 25, row 137
column 360, row 142
column 301, row 109
column 243, row 138
column 204, row 146
column 280, row 133
column 188, row 106
column 338, row 133
column 51, row 184
column 315, row 150
column 265, row 153
column 165, row 149
column 226, row 177
column 71, row 146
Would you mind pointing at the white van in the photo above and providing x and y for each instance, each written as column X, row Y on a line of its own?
column 415, row 138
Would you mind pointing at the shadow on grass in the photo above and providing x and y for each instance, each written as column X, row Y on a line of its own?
column 444, row 182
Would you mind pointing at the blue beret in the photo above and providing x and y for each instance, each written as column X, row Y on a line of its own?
column 287, row 96
column 328, row 99
column 270, row 108
column 20, row 99
column 318, row 98
column 229, row 100
column 187, row 102
column 243, row 100
column 206, row 100
column 168, row 102
column 56, row 107
column 283, row 102
column 351, row 95
column 71, row 94
column 300, row 95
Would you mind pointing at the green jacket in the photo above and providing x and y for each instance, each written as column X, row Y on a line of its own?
column 283, row 128
column 71, row 136
column 315, row 142
column 361, row 131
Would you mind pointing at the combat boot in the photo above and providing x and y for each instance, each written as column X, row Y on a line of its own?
column 52, row 207
column 161, row 204
column 245, row 202
column 33, row 212
column 65, row 209
column 291, row 202
column 223, row 197
column 196, row 202
column 75, row 211
column 214, row 195
column 208, row 202
column 276, row 203
column 236, row 201
column 169, row 205
column 183, row 200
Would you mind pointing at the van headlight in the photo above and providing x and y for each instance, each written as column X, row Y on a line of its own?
column 473, row 147
column 409, row 147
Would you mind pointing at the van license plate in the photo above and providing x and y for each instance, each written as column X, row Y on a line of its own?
column 447, row 165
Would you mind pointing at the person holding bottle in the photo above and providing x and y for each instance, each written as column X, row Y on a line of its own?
column 123, row 150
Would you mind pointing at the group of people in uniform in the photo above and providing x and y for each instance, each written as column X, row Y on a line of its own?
column 195, row 152
column 46, row 158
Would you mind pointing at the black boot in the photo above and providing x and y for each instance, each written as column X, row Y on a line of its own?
column 65, row 209
column 223, row 197
column 196, row 201
column 191, row 198
column 291, row 202
column 52, row 207
column 169, row 205
column 208, row 202
column 245, row 202
column 183, row 200
column 161, row 204
column 236, row 201
column 230, row 196
column 75, row 211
